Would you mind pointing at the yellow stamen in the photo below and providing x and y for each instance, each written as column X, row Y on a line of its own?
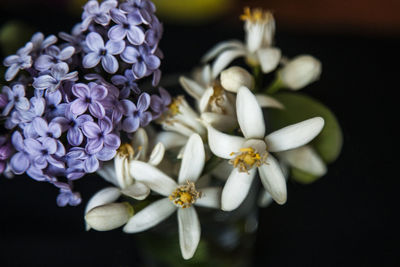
column 256, row 15
column 174, row 106
column 126, row 150
column 185, row 195
column 247, row 158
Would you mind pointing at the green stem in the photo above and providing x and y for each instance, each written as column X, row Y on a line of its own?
column 258, row 78
column 274, row 87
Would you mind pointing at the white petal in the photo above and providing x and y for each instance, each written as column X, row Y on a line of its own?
column 224, row 59
column 193, row 160
column 268, row 102
column 150, row 216
column 306, row 159
column 222, row 145
column 269, row 58
column 273, row 180
column 236, row 189
column 137, row 191
column 249, row 114
column 157, row 154
column 221, row 47
column 171, row 139
column 264, row 198
column 102, row 197
column 152, row 177
column 122, row 174
column 220, row 122
column 210, row 197
column 178, row 128
column 140, row 143
column 191, row 87
column 189, row 231
column 205, row 99
column 294, row 135
column 109, row 216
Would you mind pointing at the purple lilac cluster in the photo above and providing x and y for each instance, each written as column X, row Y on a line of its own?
column 68, row 104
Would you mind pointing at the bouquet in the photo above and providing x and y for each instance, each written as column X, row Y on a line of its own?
column 90, row 101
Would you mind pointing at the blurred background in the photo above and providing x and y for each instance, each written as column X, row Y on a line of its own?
column 347, row 218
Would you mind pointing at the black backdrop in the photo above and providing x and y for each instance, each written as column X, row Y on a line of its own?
column 345, row 219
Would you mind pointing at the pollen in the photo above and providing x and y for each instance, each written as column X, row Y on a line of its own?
column 256, row 15
column 126, row 150
column 247, row 158
column 173, row 108
column 185, row 196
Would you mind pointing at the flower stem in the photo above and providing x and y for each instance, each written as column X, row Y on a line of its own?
column 258, row 78
column 274, row 87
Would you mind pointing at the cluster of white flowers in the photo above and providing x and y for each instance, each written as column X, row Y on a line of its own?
column 226, row 126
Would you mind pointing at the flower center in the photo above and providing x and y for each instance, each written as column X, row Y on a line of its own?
column 247, row 158
column 173, row 108
column 126, row 150
column 185, row 195
column 256, row 15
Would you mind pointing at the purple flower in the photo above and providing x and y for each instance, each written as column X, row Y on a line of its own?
column 100, row 135
column 44, row 130
column 20, row 162
column 44, row 152
column 142, row 60
column 6, row 150
column 89, row 97
column 16, row 97
column 136, row 115
column 154, row 34
column 126, row 26
column 127, row 82
column 73, row 123
column 59, row 73
column 66, row 196
column 53, row 56
column 39, row 43
column 142, row 7
column 99, row 14
column 22, row 60
column 74, row 39
column 97, row 52
column 23, row 118
column 159, row 104
column 54, row 107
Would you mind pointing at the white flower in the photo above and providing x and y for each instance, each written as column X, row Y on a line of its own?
column 118, row 172
column 178, row 197
column 258, row 50
column 109, row 216
column 235, row 77
column 253, row 150
column 300, row 72
column 216, row 101
column 182, row 119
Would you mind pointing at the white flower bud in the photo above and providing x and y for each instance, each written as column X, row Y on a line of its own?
column 300, row 71
column 235, row 77
column 109, row 216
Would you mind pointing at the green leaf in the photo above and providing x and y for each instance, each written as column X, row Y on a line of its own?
column 299, row 107
column 302, row 176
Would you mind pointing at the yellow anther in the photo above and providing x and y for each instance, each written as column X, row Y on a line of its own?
column 256, row 15
column 185, row 195
column 247, row 158
column 174, row 106
column 126, row 150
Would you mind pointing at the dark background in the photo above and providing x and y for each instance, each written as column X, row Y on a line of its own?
column 347, row 218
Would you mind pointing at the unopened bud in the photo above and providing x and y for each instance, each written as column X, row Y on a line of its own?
column 235, row 77
column 300, row 71
column 109, row 216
